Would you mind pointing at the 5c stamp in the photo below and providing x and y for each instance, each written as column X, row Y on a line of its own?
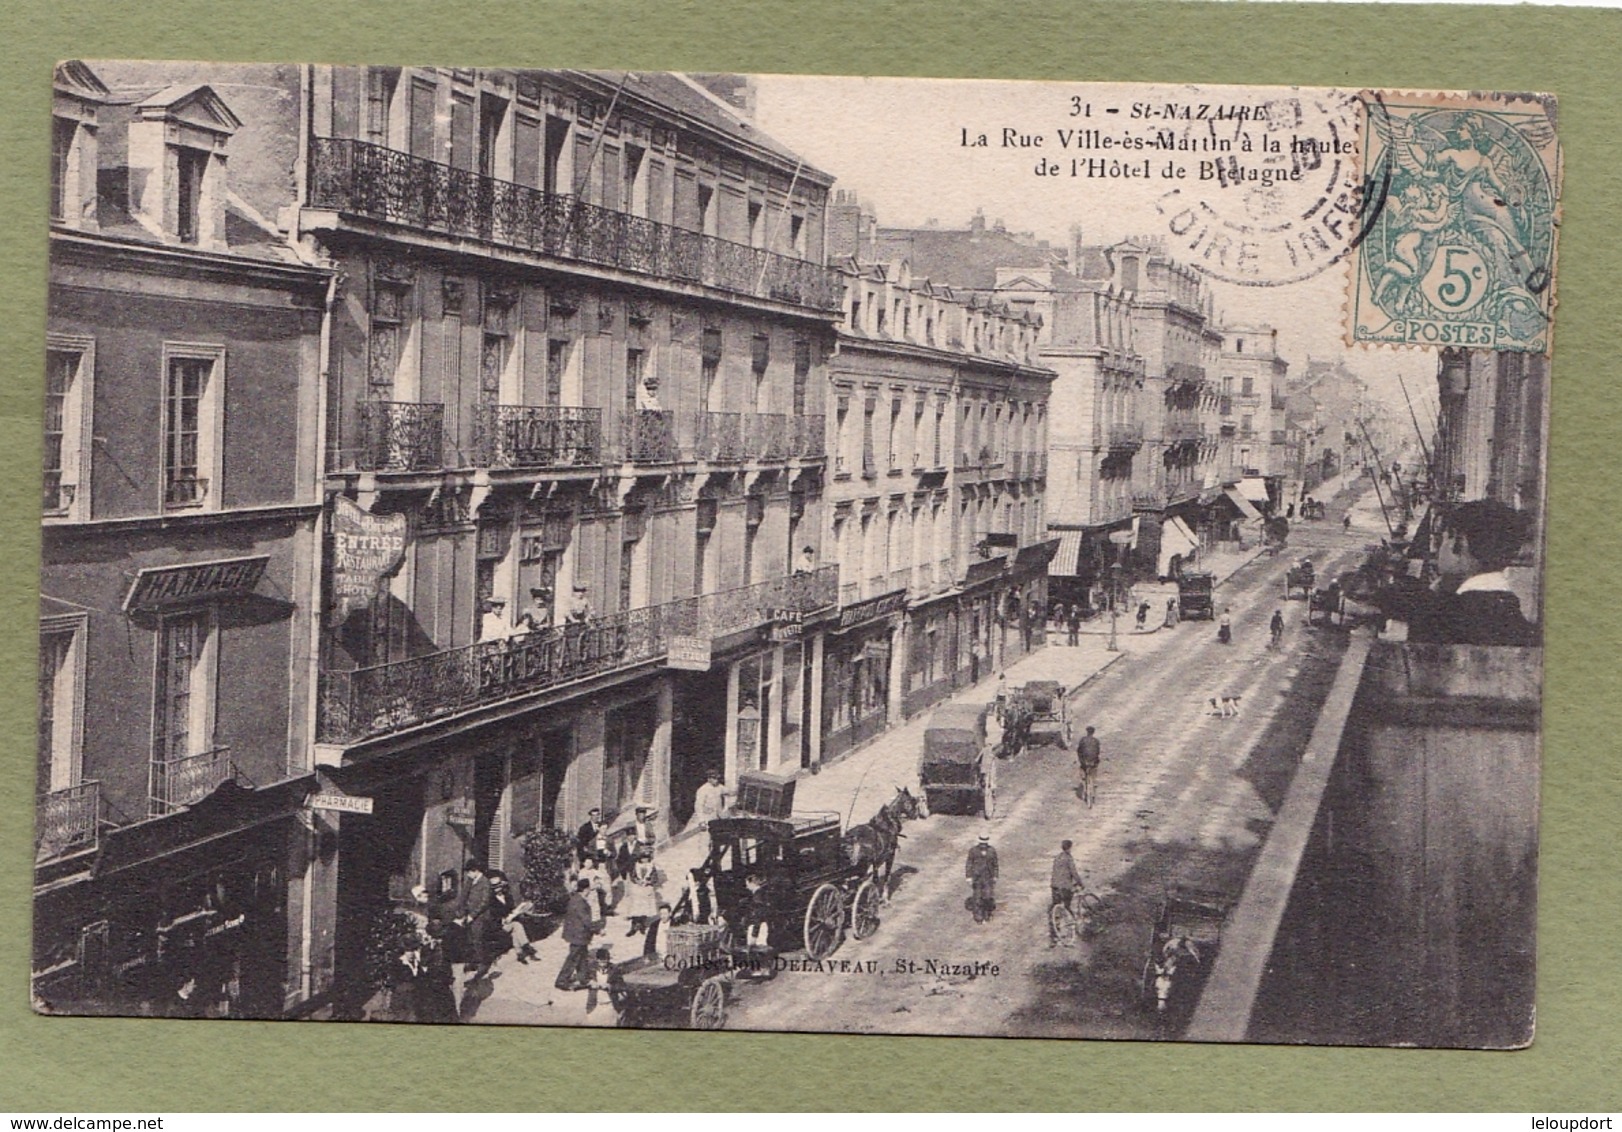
column 1462, row 249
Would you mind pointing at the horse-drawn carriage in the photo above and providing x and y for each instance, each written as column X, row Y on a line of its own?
column 1300, row 577
column 1038, row 714
column 1182, row 945
column 1194, row 600
column 957, row 767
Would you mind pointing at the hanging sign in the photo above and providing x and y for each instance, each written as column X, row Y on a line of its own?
column 366, row 548
column 691, row 654
column 165, row 585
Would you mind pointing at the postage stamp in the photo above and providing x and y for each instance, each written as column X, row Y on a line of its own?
column 1462, row 253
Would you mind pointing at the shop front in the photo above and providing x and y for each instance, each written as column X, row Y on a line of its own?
column 932, row 639
column 862, row 654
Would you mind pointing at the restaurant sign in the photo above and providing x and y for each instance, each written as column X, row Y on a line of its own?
column 873, row 607
column 366, row 548
column 166, row 585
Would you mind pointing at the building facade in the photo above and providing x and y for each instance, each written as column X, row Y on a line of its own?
column 181, row 527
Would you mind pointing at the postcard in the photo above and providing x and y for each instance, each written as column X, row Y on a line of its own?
column 770, row 552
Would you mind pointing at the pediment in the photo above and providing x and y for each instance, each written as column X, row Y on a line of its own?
column 73, row 77
column 196, row 105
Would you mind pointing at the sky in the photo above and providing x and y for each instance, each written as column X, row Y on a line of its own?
column 899, row 144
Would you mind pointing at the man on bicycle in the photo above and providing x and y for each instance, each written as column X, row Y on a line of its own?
column 1065, row 880
column 1276, row 626
column 1088, row 750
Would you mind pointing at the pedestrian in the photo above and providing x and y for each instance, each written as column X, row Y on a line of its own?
column 1088, row 753
column 579, row 611
column 1064, row 881
column 1143, row 615
column 493, row 626
column 445, row 910
column 433, row 1000
column 1346, row 521
column 657, row 946
column 591, row 839
column 1225, row 628
column 757, row 913
column 981, row 871
column 710, row 801
column 578, row 928
column 477, row 917
column 1276, row 627
column 641, row 895
column 1074, row 624
column 1057, row 616
column 1171, row 611
column 601, row 887
column 696, row 901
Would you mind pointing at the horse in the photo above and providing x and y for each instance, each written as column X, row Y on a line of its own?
column 872, row 845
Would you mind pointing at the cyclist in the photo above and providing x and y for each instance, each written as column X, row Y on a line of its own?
column 1276, row 626
column 1065, row 881
column 1088, row 750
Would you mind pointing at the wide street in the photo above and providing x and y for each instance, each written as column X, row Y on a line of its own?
column 1185, row 797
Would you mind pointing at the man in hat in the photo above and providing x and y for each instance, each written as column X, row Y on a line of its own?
column 539, row 613
column 579, row 606
column 494, row 626
column 981, row 871
column 578, row 927
column 591, row 839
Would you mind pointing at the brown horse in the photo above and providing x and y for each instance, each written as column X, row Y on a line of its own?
column 872, row 845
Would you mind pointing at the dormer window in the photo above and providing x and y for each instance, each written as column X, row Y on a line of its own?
column 77, row 95
column 176, row 175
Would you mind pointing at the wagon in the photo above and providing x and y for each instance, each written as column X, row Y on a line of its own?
column 955, row 768
column 1049, row 721
column 1194, row 597
column 1325, row 604
column 1182, row 945
column 693, row 984
column 1299, row 577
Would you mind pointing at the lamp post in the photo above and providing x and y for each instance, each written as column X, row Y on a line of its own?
column 1114, row 601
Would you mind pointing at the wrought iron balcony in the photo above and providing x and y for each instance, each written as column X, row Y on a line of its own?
column 537, row 436
column 1279, row 436
column 1126, row 437
column 180, row 782
column 362, row 179
column 747, row 607
column 58, row 496
column 1184, row 432
column 720, row 438
column 400, row 436
column 67, row 821
column 1183, row 373
column 648, row 436
column 376, row 700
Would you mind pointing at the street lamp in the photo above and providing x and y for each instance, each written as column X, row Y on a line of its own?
column 1114, row 600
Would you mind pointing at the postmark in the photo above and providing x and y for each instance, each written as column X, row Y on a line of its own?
column 1463, row 252
column 1283, row 197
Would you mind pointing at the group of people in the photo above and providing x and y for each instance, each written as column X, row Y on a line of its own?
column 494, row 626
column 472, row 918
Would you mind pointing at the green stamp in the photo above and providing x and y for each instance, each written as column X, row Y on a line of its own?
column 1459, row 250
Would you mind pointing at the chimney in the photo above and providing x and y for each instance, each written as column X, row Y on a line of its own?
column 844, row 225
column 977, row 223
column 1075, row 248
column 737, row 91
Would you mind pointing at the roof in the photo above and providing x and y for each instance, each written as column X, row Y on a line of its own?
column 962, row 716
column 244, row 236
column 795, row 825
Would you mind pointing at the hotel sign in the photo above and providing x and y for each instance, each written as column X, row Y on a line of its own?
column 691, row 654
column 166, row 585
column 366, row 548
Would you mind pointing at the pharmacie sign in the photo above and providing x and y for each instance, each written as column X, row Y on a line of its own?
column 880, row 606
column 165, row 585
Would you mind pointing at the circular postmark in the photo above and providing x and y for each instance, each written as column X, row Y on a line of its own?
column 1274, row 197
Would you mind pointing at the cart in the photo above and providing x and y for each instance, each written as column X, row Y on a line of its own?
column 1194, row 597
column 1325, row 604
column 1049, row 721
column 692, row 984
column 1182, row 946
column 1300, row 577
column 954, row 767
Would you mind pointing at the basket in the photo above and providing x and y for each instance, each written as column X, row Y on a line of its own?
column 695, row 941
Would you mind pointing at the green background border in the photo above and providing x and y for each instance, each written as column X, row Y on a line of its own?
column 65, row 1065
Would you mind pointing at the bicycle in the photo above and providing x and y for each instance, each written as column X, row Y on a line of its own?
column 1083, row 917
column 1089, row 785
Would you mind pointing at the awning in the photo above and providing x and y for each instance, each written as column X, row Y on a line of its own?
column 1246, row 511
column 1068, row 556
column 1175, row 539
column 1254, row 489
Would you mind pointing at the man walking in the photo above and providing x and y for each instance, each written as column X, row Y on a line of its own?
column 1088, row 752
column 1276, row 627
column 476, row 916
column 1064, row 881
column 1074, row 624
column 577, row 931
column 981, row 871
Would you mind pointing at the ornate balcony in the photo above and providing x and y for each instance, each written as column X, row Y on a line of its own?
column 1126, row 437
column 400, row 436
column 180, row 782
column 537, row 436
column 648, row 436
column 67, row 821
column 720, row 438
column 376, row 700
column 747, row 607
column 362, row 179
column 1184, row 432
column 1182, row 373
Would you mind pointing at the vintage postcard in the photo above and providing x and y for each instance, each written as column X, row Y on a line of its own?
column 592, row 548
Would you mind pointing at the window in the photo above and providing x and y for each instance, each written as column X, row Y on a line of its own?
column 63, row 131
column 796, row 235
column 756, row 217
column 760, row 352
column 940, row 419
column 895, row 433
column 707, row 509
column 68, row 367
column 710, row 368
column 557, row 360
column 869, row 466
column 386, row 340
column 61, row 703
column 492, row 115
column 1248, row 389
column 632, row 198
column 380, row 86
column 706, row 209
column 802, row 374
column 557, row 136
column 856, row 314
column 755, row 514
column 191, row 425
column 497, row 350
column 183, row 714
column 189, row 199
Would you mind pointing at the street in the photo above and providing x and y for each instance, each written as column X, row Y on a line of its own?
column 1185, row 796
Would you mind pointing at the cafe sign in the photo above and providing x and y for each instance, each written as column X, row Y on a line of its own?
column 166, row 585
column 787, row 624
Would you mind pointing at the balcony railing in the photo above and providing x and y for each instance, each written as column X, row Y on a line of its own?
column 387, row 697
column 720, row 438
column 67, row 821
column 180, row 782
column 648, row 436
column 1184, row 432
column 185, row 491
column 1279, row 436
column 537, row 436
column 363, row 179
column 746, row 607
column 1125, row 436
column 400, row 436
column 1183, row 373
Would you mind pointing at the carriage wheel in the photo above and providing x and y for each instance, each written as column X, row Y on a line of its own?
column 1063, row 923
column 864, row 910
column 1149, row 997
column 1092, row 911
column 824, row 922
column 988, row 801
column 709, row 1009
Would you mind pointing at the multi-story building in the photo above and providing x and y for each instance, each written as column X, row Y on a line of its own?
column 574, row 453
column 178, row 585
column 935, row 505
column 1254, row 436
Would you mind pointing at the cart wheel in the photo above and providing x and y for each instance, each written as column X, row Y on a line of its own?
column 864, row 910
column 1149, row 984
column 1063, row 923
column 709, row 1010
column 988, row 801
column 824, row 922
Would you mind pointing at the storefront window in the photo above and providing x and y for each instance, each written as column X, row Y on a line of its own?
column 793, row 697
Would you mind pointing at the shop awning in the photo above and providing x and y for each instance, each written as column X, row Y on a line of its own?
column 1246, row 511
column 1254, row 489
column 1068, row 556
column 1175, row 539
